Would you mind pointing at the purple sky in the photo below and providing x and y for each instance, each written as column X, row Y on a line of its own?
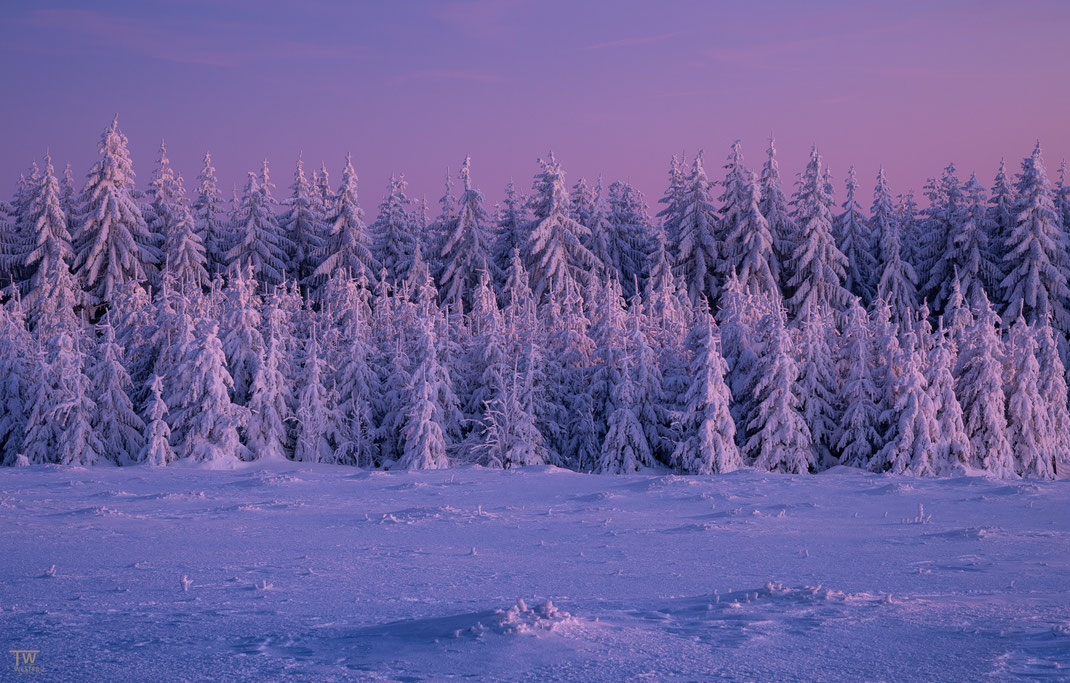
column 609, row 86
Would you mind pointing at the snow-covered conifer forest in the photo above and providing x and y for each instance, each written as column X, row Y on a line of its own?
column 741, row 320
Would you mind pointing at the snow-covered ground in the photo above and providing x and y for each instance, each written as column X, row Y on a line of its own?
column 328, row 573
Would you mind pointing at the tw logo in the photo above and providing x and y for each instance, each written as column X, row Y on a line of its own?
column 25, row 660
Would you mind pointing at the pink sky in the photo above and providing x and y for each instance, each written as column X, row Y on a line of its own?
column 611, row 87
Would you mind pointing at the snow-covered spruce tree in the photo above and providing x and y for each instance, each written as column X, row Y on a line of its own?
column 1000, row 219
column 59, row 428
column 952, row 442
column 46, row 251
column 581, row 202
column 673, row 199
column 734, row 196
column 566, row 413
column 1036, row 261
column 17, row 232
column 748, row 242
column 242, row 341
column 1027, row 415
column 856, row 240
column 511, row 437
column 303, row 224
column 210, row 218
column 319, row 425
column 897, row 281
column 347, row 246
column 666, row 307
column 818, row 267
column 942, row 221
column 354, row 388
column 185, row 257
column 395, row 241
column 156, row 442
column 819, row 383
column 774, row 206
column 512, row 229
column 112, row 244
column 424, row 431
column 609, row 336
column 270, row 401
column 259, row 242
column 857, row 438
column 979, row 386
column 910, row 441
column 965, row 252
column 467, row 249
column 696, row 253
column 205, row 421
column 707, row 444
column 631, row 242
column 164, row 196
column 553, row 251
column 650, row 403
column 1053, row 392
column 625, row 448
column 599, row 239
column 17, row 380
column 778, row 438
column 116, row 422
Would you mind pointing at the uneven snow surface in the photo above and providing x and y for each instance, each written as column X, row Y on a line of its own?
column 331, row 573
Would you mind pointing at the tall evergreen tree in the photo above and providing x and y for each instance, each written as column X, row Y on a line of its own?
column 774, row 207
column 818, row 267
column 395, row 242
column 779, row 439
column 467, row 249
column 112, row 244
column 259, row 242
column 554, row 251
column 302, row 223
column 855, row 239
column 347, row 246
column 1035, row 285
column 209, row 215
column 696, row 254
column 897, row 282
column 708, row 432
